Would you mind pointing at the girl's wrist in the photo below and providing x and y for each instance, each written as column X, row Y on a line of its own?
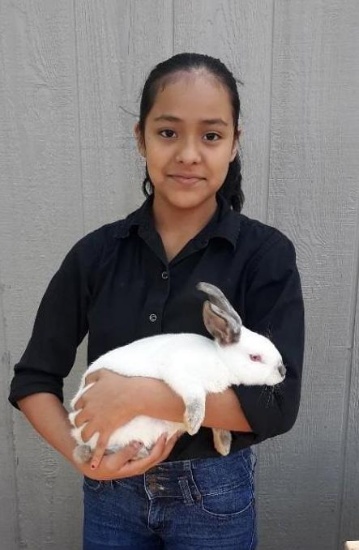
column 142, row 388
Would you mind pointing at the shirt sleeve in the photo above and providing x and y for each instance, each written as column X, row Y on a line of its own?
column 274, row 308
column 60, row 326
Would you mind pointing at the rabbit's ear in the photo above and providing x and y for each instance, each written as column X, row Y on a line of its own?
column 219, row 317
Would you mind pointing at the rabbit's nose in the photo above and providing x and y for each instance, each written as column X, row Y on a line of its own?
column 282, row 370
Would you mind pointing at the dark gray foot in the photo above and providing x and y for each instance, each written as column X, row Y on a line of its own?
column 82, row 454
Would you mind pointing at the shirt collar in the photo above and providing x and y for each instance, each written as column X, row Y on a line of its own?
column 224, row 224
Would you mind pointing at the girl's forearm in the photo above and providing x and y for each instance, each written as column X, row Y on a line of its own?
column 223, row 410
column 50, row 419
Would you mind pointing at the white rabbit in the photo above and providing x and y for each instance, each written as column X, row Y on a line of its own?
column 192, row 365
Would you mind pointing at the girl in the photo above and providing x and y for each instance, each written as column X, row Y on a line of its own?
column 137, row 277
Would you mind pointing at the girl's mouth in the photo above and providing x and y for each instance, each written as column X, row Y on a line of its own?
column 186, row 180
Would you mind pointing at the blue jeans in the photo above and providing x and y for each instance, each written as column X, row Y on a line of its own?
column 182, row 505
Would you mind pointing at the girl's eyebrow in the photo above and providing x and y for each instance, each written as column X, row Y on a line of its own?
column 171, row 118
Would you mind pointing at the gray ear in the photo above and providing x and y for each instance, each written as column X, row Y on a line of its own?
column 219, row 317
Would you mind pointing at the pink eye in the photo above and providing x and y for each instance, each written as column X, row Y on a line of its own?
column 257, row 358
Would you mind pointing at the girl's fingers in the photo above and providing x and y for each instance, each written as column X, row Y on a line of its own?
column 79, row 417
column 135, row 467
column 122, row 464
column 156, row 451
column 88, row 431
column 159, row 452
column 117, row 462
column 79, row 404
column 100, row 451
column 92, row 377
column 109, row 467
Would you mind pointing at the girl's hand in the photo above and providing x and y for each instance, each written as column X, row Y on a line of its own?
column 121, row 464
column 107, row 405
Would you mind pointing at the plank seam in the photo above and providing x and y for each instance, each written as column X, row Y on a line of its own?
column 270, row 113
column 173, row 26
column 79, row 136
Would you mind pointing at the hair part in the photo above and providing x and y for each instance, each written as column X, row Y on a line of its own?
column 160, row 76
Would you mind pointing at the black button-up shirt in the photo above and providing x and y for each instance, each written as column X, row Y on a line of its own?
column 117, row 285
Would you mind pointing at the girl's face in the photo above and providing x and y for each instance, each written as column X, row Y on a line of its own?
column 189, row 141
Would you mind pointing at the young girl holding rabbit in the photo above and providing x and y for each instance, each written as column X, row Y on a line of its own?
column 136, row 278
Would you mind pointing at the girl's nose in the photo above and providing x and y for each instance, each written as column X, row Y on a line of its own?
column 188, row 153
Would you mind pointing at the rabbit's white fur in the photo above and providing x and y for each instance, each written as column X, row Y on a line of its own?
column 192, row 365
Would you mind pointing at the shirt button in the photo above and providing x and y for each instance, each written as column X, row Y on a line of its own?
column 164, row 275
column 153, row 317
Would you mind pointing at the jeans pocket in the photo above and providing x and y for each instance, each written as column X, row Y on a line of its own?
column 230, row 503
column 93, row 484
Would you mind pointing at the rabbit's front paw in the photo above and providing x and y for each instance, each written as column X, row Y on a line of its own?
column 194, row 415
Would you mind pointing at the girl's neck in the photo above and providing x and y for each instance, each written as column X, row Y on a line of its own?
column 177, row 227
column 182, row 221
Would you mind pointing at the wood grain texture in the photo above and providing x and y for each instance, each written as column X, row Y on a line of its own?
column 349, row 528
column 9, row 518
column 118, row 43
column 40, row 218
column 349, row 79
column 313, row 198
column 240, row 34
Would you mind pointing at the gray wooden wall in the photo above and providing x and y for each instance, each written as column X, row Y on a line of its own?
column 69, row 72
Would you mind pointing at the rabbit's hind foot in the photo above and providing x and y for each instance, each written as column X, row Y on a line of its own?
column 222, row 440
column 82, row 453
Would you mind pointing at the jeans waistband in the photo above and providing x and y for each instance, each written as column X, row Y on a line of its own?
column 178, row 479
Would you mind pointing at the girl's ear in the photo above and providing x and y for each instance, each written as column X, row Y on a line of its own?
column 235, row 144
column 139, row 140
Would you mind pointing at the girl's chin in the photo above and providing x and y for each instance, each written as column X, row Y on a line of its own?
column 184, row 201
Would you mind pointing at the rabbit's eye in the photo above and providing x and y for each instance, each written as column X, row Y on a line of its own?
column 257, row 358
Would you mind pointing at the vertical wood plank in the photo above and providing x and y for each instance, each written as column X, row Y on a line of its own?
column 240, row 34
column 118, row 43
column 349, row 528
column 9, row 520
column 40, row 218
column 313, row 197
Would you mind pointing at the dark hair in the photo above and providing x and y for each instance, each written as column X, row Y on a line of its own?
column 231, row 188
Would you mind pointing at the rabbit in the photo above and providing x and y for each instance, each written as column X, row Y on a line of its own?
column 192, row 365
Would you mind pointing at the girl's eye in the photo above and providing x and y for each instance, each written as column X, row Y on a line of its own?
column 212, row 136
column 257, row 358
column 167, row 133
